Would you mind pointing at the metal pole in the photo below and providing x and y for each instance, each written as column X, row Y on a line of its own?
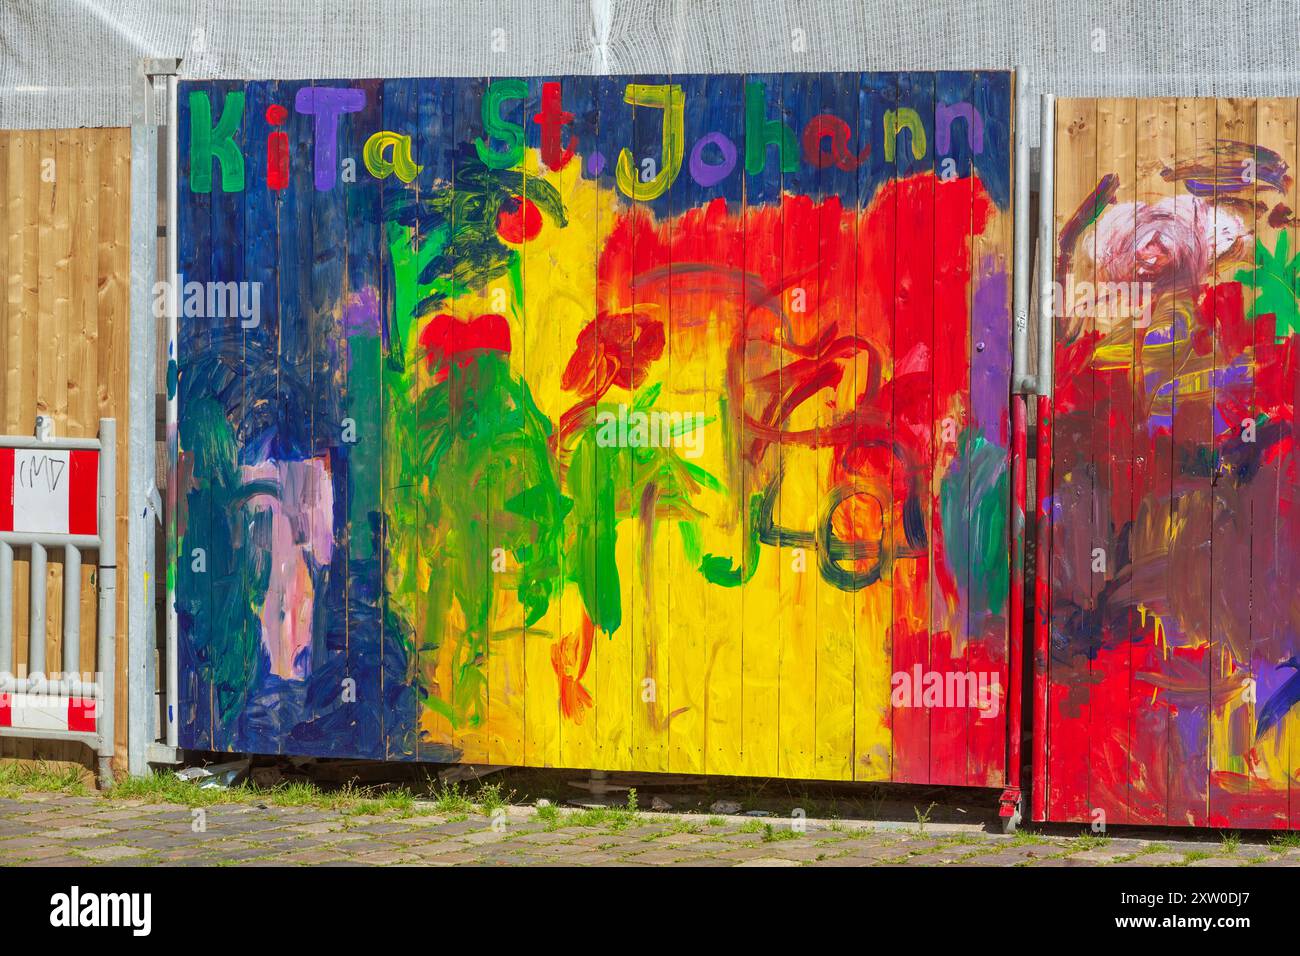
column 107, row 631
column 71, row 612
column 36, row 633
column 1046, row 244
column 1043, row 463
column 6, row 609
column 173, row 437
column 1021, row 380
column 1015, row 665
column 1042, row 601
column 142, row 492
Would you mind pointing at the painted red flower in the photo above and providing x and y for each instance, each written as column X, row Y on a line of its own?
column 569, row 658
column 446, row 339
column 613, row 349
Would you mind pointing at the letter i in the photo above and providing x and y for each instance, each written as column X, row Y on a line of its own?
column 277, row 149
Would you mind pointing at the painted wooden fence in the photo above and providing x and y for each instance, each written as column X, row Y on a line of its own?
column 65, row 261
column 1173, row 672
column 652, row 423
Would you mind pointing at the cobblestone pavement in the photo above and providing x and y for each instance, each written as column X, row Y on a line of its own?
column 52, row 829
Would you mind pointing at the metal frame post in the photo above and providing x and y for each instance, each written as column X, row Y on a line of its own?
column 107, row 579
column 1046, row 244
column 1009, row 808
column 1021, row 380
column 1043, row 460
column 143, row 504
column 173, row 438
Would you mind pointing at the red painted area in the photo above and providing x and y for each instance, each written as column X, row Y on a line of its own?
column 83, row 492
column 82, row 714
column 6, row 489
column 446, row 340
column 519, row 223
column 1042, row 603
column 277, row 160
column 6, row 710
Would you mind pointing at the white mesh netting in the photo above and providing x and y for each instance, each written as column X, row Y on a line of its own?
column 66, row 63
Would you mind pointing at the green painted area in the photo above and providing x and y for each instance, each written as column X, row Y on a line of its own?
column 1274, row 281
column 219, row 576
column 974, row 498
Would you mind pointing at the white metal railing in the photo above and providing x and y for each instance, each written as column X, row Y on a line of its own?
column 68, row 705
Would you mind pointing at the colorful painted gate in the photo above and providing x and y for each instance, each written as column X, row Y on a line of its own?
column 1172, row 673
column 651, row 423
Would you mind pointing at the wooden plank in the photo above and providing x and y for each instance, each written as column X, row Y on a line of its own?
column 991, row 267
column 365, row 649
column 913, row 411
column 9, row 360
column 413, row 428
column 196, row 718
column 949, row 488
column 1150, row 613
column 561, row 268
column 52, row 378
column 1188, row 753
column 714, row 305
column 1073, row 536
column 324, row 476
column 1262, row 482
column 233, row 707
column 834, row 306
column 23, row 422
column 83, row 381
column 1289, row 387
column 798, row 491
column 247, row 224
column 763, row 624
column 10, row 357
column 514, row 469
column 470, row 675
column 876, row 465
column 682, row 371
column 548, row 732
column 1112, row 454
column 1230, row 570
column 618, row 688
column 115, row 343
column 643, row 566
column 13, row 155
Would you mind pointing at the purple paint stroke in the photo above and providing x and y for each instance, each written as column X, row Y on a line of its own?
column 361, row 312
column 708, row 174
column 944, row 114
column 991, row 368
column 327, row 104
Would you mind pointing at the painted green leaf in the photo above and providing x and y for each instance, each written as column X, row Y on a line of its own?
column 1274, row 281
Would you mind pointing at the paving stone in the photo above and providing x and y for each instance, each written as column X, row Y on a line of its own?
column 322, row 827
column 768, row 861
column 548, row 836
column 76, row 833
column 309, row 857
column 1098, row 856
column 106, row 853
